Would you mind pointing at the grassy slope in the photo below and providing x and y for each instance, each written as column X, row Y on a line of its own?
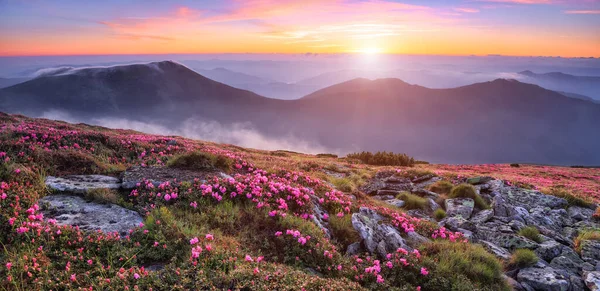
column 252, row 232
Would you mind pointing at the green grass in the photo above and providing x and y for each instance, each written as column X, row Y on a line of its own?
column 461, row 266
column 586, row 235
column 523, row 258
column 439, row 214
column 200, row 161
column 441, row 187
column 571, row 199
column 343, row 231
column 412, row 201
column 102, row 195
column 468, row 191
column 531, row 233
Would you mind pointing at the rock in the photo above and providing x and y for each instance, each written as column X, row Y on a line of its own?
column 514, row 285
column 590, row 251
column 454, row 223
column 372, row 186
column 482, row 216
column 398, row 187
column 568, row 261
column 424, row 193
column 387, row 193
column 423, row 178
column 80, row 184
column 592, row 280
column 459, row 206
column 425, row 184
column 508, row 241
column 546, row 279
column 432, row 205
column 495, row 250
column 479, row 180
column 579, row 213
column 396, row 180
column 549, row 250
column 172, row 142
column 383, row 197
column 318, row 217
column 553, row 219
column 414, row 239
column 377, row 237
column 500, row 206
column 529, row 199
column 354, row 249
column 395, row 202
column 577, row 283
column 89, row 216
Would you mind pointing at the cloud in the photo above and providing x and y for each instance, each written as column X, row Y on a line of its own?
column 241, row 134
column 522, row 1
column 467, row 10
column 582, row 12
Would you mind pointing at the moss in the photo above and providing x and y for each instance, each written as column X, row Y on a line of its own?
column 412, row 201
column 523, row 258
column 531, row 233
column 200, row 161
column 468, row 191
column 441, row 187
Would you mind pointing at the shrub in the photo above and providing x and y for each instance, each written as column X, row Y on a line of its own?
column 327, row 156
column 412, row 201
column 523, row 258
column 200, row 161
column 441, row 187
column 571, row 199
column 531, row 233
column 515, row 165
column 586, row 235
column 383, row 158
column 468, row 191
column 439, row 214
column 461, row 266
column 343, row 231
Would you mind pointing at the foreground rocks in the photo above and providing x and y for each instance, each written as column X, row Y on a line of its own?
column 560, row 267
column 90, row 216
column 80, row 184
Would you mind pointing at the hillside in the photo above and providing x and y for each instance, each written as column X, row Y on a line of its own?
column 582, row 85
column 500, row 121
column 179, row 214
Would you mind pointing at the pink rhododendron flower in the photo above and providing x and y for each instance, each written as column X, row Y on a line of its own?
column 8, row 265
column 209, row 236
column 194, row 241
column 249, row 258
column 424, row 272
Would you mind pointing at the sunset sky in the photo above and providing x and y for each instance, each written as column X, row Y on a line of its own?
column 568, row 28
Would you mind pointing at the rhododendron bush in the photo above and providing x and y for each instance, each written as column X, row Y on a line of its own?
column 253, row 228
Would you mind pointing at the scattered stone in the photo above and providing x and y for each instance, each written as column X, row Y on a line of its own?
column 549, row 250
column 590, row 251
column 497, row 251
column 482, row 216
column 80, row 184
column 546, row 279
column 377, row 237
column 592, row 280
column 89, row 216
column 579, row 213
column 422, row 178
column 459, row 206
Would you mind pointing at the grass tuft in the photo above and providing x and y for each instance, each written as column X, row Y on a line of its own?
column 571, row 199
column 531, row 233
column 439, row 214
column 412, row 201
column 585, row 235
column 523, row 258
column 441, row 187
column 200, row 161
column 468, row 191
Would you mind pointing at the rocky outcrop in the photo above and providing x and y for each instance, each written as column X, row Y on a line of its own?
column 543, row 279
column 89, row 216
column 378, row 237
column 592, row 280
column 459, row 206
column 80, row 184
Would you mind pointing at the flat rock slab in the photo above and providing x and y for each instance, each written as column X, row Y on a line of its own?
column 157, row 175
column 79, row 184
column 90, row 216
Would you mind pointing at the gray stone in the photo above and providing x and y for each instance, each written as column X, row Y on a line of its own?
column 425, row 193
column 383, row 197
column 432, row 205
column 508, row 241
column 387, row 193
column 579, row 213
column 318, row 217
column 89, row 216
column 354, row 249
column 427, row 183
column 459, row 206
column 592, row 280
column 590, row 251
column 497, row 251
column 395, row 202
column 80, row 184
column 415, row 240
column 479, row 180
column 549, row 250
column 577, row 283
column 514, row 285
column 482, row 216
column 378, row 237
column 546, row 279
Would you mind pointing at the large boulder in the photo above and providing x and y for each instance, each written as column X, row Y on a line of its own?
column 482, row 216
column 479, row 180
column 459, row 206
column 543, row 279
column 80, row 184
column 89, row 216
column 579, row 213
column 590, row 251
column 549, row 250
column 378, row 237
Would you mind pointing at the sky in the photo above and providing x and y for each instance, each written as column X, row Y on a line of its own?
column 567, row 28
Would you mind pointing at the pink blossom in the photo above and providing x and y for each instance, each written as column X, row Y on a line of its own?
column 208, row 247
column 380, row 279
column 279, row 233
column 136, row 276
column 249, row 258
column 209, row 236
column 8, row 265
column 73, row 278
column 424, row 272
column 167, row 197
column 17, row 171
column 194, row 241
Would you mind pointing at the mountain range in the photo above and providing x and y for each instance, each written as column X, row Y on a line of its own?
column 583, row 85
column 489, row 122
